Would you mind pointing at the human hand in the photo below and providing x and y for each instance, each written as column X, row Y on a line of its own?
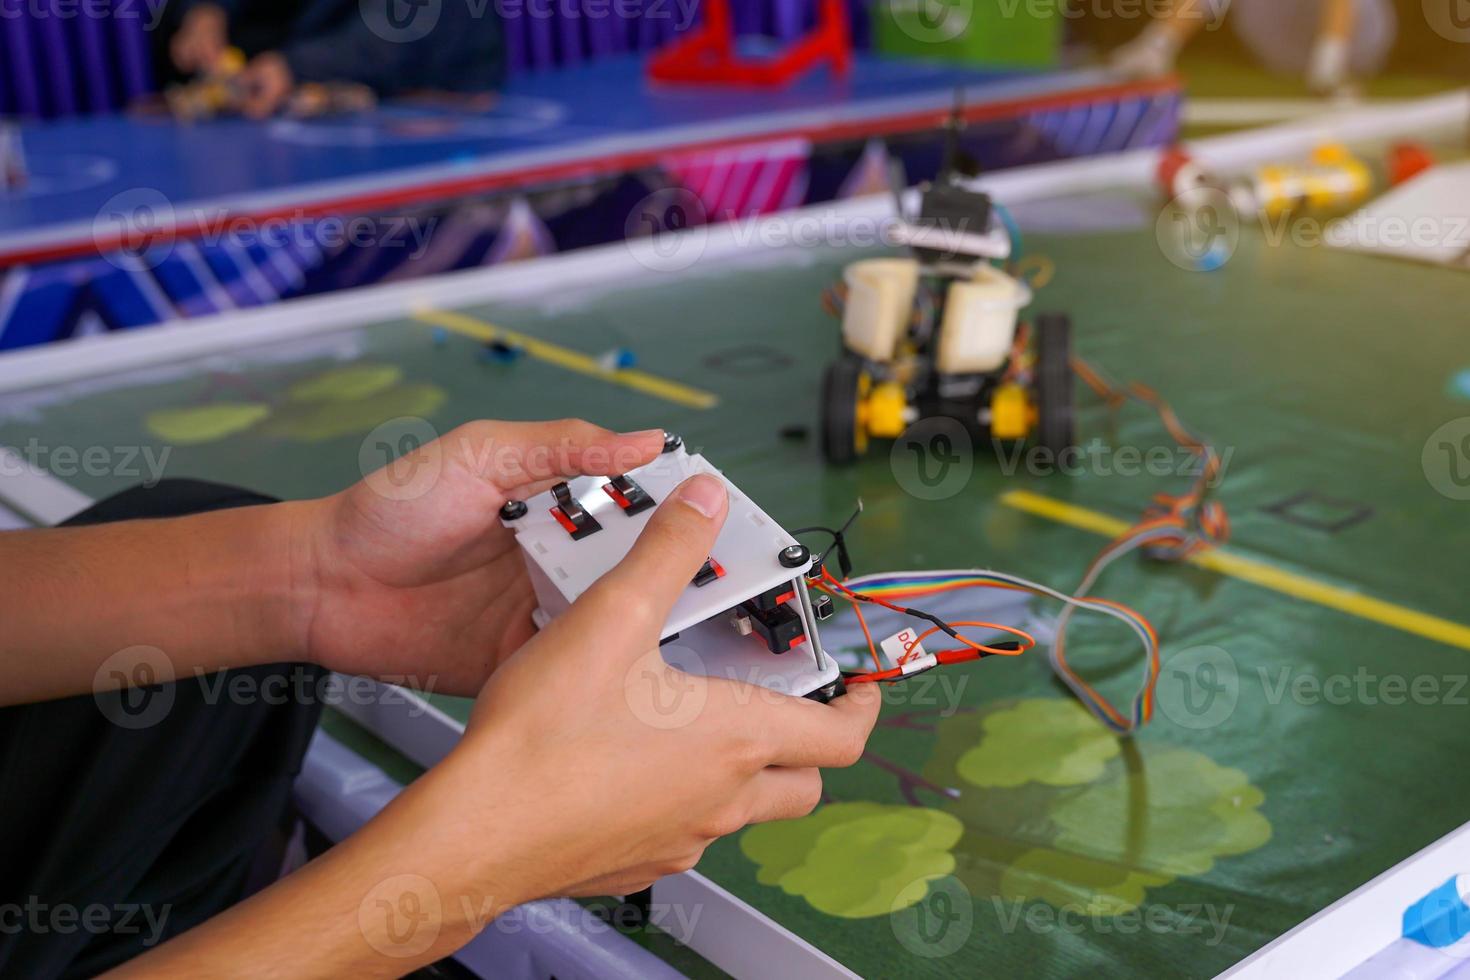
column 1330, row 68
column 411, row 573
column 1150, row 55
column 201, row 39
column 589, row 766
column 267, row 83
column 620, row 769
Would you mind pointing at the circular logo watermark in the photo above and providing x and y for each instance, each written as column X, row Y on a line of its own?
column 932, row 21
column 1199, row 230
column 1450, row 19
column 400, row 21
column 393, row 463
column 1199, row 688
column 135, row 226
column 401, row 916
column 134, row 687
column 668, row 230
column 933, row 459
column 665, row 687
column 939, row 923
column 1446, row 459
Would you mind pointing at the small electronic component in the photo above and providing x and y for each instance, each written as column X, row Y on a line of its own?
column 571, row 515
column 747, row 613
column 628, row 495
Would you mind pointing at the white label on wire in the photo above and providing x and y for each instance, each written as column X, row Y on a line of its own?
column 918, row 664
column 902, row 643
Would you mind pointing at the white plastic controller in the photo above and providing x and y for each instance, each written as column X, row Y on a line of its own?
column 572, row 536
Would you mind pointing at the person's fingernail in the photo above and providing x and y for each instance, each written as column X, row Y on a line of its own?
column 644, row 434
column 704, row 493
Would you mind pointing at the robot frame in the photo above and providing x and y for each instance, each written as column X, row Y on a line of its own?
column 937, row 333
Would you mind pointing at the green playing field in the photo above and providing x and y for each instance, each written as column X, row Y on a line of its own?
column 1311, row 711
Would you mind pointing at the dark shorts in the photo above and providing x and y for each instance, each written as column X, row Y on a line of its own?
column 121, row 824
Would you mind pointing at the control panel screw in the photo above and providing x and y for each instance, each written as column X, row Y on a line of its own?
column 672, row 441
column 795, row 556
column 513, row 510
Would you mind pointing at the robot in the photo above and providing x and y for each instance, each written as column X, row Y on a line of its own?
column 748, row 614
column 937, row 333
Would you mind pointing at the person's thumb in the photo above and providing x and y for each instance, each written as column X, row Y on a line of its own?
column 641, row 590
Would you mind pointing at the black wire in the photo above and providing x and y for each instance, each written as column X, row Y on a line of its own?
column 839, row 541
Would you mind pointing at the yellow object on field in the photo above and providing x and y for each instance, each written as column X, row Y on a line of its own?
column 1332, row 180
column 1012, row 415
column 882, row 411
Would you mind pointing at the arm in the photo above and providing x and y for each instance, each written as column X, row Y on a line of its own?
column 211, row 591
column 574, row 778
column 406, row 573
column 1332, row 55
column 1154, row 51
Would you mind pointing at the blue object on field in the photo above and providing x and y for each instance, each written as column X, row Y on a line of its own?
column 501, row 352
column 1459, row 386
column 618, row 359
column 1440, row 918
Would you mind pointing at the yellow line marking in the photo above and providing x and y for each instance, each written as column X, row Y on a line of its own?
column 1225, row 562
column 571, row 360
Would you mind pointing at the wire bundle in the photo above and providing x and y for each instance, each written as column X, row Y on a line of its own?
column 889, row 589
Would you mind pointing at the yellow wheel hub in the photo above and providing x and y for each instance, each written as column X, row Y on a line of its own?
column 1012, row 413
column 880, row 411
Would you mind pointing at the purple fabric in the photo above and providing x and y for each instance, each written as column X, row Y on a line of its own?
column 63, row 64
column 131, row 40
column 96, row 62
column 25, row 84
column 60, row 85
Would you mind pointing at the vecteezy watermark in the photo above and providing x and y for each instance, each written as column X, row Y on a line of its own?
column 931, row 21
column 668, row 230
column 1141, row 10
column 681, row 13
column 1199, row 231
column 137, row 688
column 1446, row 459
column 1199, row 688
column 1450, row 19
column 148, row 11
column 1202, row 919
column 145, row 463
column 1202, row 687
column 665, row 687
column 404, row 458
column 1362, row 687
column 407, row 21
column 938, row 924
column 140, row 227
column 401, row 916
column 132, row 687
column 1097, row 458
column 934, row 459
column 393, row 461
column 560, row 918
column 37, row 917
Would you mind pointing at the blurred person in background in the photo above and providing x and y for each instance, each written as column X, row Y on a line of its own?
column 391, row 46
column 1329, row 43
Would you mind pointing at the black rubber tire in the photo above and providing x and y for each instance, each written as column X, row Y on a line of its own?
column 840, row 386
column 1056, row 428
